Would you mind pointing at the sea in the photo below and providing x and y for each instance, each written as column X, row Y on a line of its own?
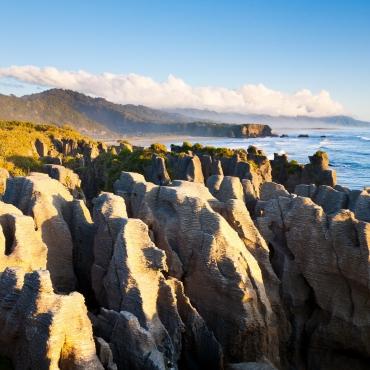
column 348, row 149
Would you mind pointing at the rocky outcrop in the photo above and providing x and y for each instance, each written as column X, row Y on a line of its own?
column 186, row 167
column 109, row 214
column 41, row 148
column 255, row 167
column 20, row 244
column 159, row 323
column 40, row 329
column 318, row 172
column 104, row 353
column 332, row 200
column 157, row 171
column 322, row 262
column 134, row 284
column 190, row 282
column 291, row 174
column 272, row 190
column 203, row 250
column 362, row 205
column 48, row 202
column 225, row 188
column 65, row 176
column 82, row 231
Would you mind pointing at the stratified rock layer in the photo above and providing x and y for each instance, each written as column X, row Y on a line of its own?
column 42, row 330
column 323, row 264
column 160, row 325
column 48, row 202
column 221, row 277
column 20, row 244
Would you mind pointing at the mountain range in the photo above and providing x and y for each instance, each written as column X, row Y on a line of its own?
column 276, row 122
column 97, row 116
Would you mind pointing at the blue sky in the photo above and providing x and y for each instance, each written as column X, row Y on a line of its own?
column 284, row 45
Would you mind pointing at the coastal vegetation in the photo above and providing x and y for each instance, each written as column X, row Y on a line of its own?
column 18, row 153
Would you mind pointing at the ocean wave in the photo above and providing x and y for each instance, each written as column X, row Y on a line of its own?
column 366, row 138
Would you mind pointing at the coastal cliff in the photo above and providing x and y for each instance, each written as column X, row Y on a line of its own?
column 194, row 258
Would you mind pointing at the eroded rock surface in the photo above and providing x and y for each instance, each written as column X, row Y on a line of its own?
column 109, row 214
column 186, row 167
column 323, row 264
column 20, row 244
column 362, row 205
column 48, row 202
column 203, row 250
column 161, row 327
column 66, row 176
column 40, row 329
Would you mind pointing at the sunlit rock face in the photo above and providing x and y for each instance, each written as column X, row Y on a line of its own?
column 65, row 176
column 221, row 277
column 362, row 207
column 186, row 167
column 109, row 214
column 160, row 326
column 323, row 264
column 20, row 244
column 231, row 274
column 225, row 187
column 291, row 174
column 47, row 200
column 40, row 329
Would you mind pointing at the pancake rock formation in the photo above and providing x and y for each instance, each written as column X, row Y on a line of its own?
column 40, row 329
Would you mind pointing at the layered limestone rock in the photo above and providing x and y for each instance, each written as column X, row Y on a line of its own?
column 291, row 174
column 334, row 199
column 362, row 207
column 109, row 214
column 323, row 264
column 318, row 172
column 82, row 231
column 159, row 324
column 40, row 329
column 272, row 190
column 105, row 354
column 66, row 176
column 286, row 173
column 186, row 167
column 123, row 186
column 48, row 202
column 157, row 171
column 330, row 200
column 210, row 166
column 203, row 250
column 255, row 167
column 41, row 148
column 20, row 244
column 225, row 187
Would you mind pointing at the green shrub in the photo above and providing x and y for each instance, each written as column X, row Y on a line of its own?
column 197, row 147
column 186, row 145
column 158, row 148
column 320, row 153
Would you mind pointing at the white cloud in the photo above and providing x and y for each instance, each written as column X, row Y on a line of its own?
column 176, row 93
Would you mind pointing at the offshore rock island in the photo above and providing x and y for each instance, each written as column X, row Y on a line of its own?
column 197, row 257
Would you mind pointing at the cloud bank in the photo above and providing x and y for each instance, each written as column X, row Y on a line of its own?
column 176, row 93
